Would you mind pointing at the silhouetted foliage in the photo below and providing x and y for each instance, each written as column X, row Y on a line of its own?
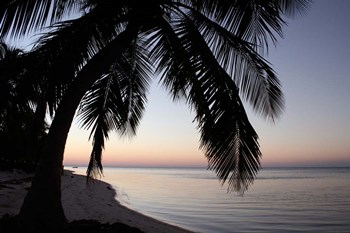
column 18, row 141
column 207, row 52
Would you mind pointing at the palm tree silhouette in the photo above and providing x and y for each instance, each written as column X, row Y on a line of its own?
column 19, row 137
column 209, row 53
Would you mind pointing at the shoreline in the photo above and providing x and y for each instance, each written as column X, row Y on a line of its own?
column 95, row 201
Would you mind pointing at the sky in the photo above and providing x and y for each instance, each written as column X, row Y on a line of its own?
column 312, row 61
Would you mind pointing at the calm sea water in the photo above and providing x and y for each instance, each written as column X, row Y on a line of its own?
column 280, row 200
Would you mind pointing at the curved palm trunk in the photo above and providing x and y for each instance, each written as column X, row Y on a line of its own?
column 42, row 205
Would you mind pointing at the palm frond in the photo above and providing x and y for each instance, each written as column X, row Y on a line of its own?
column 245, row 18
column 294, row 8
column 252, row 73
column 258, row 22
column 228, row 138
column 171, row 59
column 71, row 44
column 136, row 72
column 19, row 17
column 190, row 68
column 115, row 102
column 95, row 167
column 96, row 111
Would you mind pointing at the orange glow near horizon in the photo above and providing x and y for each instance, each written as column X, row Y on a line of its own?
column 140, row 151
column 185, row 153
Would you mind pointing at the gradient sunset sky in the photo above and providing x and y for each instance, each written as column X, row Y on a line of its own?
column 313, row 64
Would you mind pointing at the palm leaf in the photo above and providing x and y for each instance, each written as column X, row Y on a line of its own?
column 258, row 22
column 293, row 8
column 252, row 73
column 227, row 137
column 19, row 17
column 71, row 44
column 135, row 77
column 96, row 112
column 115, row 102
column 226, row 134
column 173, row 65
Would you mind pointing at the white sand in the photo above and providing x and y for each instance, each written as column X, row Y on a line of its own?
column 95, row 201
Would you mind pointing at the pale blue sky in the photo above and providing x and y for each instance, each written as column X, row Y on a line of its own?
column 312, row 62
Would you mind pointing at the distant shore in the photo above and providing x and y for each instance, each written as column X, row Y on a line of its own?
column 81, row 202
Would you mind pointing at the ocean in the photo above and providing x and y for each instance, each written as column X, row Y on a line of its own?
column 280, row 200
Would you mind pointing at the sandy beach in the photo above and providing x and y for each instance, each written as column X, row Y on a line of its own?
column 97, row 201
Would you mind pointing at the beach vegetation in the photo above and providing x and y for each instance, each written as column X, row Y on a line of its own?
column 19, row 137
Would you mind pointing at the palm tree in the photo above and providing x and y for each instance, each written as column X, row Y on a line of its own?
column 18, row 101
column 208, row 52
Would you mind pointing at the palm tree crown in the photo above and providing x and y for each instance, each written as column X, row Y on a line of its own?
column 207, row 52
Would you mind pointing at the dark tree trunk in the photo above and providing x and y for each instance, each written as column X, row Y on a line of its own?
column 42, row 206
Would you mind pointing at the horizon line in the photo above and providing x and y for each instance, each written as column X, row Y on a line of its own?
column 205, row 167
